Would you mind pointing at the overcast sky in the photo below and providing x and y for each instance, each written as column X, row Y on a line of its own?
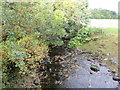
column 105, row 4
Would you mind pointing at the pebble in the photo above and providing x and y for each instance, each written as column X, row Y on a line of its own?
column 89, row 59
column 37, row 82
column 92, row 72
column 95, row 67
column 111, row 59
column 101, row 64
column 57, row 82
column 113, row 62
column 108, row 54
column 106, row 59
column 100, row 47
column 116, row 78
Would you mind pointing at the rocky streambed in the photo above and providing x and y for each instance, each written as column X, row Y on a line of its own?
column 89, row 74
column 78, row 69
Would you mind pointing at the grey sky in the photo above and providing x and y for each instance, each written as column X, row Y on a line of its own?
column 105, row 4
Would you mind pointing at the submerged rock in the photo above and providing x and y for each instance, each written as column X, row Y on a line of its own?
column 95, row 67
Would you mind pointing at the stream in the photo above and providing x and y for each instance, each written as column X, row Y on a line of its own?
column 80, row 77
column 72, row 70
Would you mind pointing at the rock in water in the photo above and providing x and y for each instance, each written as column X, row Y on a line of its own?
column 89, row 59
column 106, row 59
column 101, row 64
column 116, row 78
column 95, row 67
column 92, row 72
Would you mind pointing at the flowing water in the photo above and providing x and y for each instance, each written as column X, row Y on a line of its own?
column 74, row 72
column 80, row 77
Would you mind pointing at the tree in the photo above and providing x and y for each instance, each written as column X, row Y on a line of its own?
column 103, row 14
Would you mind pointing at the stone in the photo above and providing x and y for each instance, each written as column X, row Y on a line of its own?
column 37, row 82
column 100, row 47
column 111, row 59
column 106, row 59
column 113, row 71
column 108, row 54
column 95, row 67
column 89, row 59
column 116, row 78
column 57, row 82
column 92, row 72
column 101, row 64
column 109, row 70
column 113, row 62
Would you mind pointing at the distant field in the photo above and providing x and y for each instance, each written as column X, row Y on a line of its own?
column 111, row 30
column 109, row 25
column 105, row 23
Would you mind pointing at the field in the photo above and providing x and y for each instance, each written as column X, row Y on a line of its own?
column 111, row 30
column 109, row 25
column 104, row 23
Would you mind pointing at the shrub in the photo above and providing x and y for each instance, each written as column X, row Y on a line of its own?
column 26, row 54
column 29, row 28
column 85, row 36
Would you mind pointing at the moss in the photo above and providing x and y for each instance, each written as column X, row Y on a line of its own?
column 94, row 65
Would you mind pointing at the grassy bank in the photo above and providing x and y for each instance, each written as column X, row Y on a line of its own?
column 111, row 30
column 106, row 48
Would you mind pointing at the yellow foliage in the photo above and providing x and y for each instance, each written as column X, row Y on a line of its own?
column 35, row 49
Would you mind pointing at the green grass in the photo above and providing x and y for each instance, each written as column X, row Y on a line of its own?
column 111, row 30
column 107, row 44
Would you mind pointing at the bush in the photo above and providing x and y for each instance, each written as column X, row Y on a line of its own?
column 29, row 28
column 27, row 54
column 85, row 36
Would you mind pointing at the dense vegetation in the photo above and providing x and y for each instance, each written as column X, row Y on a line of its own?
column 29, row 29
column 103, row 14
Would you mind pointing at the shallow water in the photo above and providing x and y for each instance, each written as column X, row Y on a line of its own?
column 74, row 72
column 80, row 77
